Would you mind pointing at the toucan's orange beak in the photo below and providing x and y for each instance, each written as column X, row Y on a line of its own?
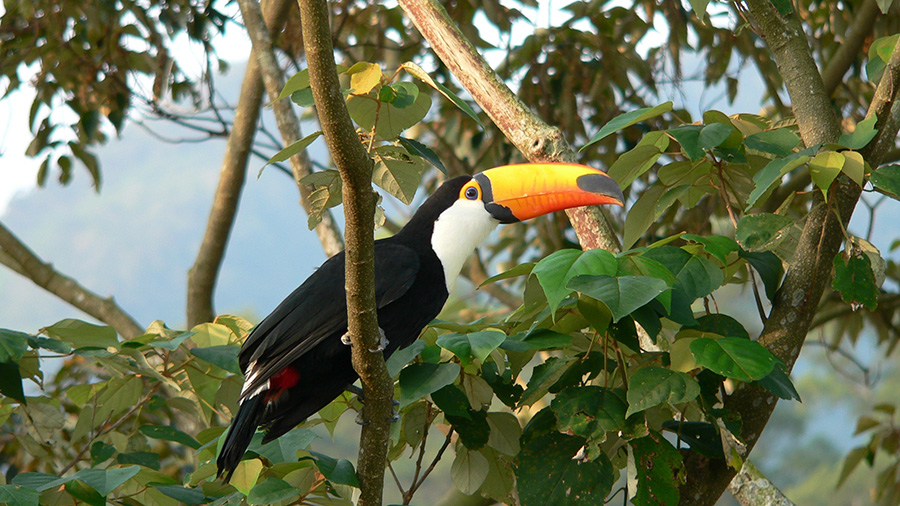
column 520, row 192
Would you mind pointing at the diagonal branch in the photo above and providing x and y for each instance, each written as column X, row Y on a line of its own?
column 536, row 140
column 355, row 167
column 273, row 78
column 203, row 274
column 15, row 255
column 849, row 50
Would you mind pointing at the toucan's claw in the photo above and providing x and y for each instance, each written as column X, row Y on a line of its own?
column 359, row 420
column 395, row 415
column 382, row 342
column 346, row 339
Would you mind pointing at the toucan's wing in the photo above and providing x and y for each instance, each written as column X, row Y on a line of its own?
column 318, row 309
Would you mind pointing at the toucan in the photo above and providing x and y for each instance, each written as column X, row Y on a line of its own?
column 297, row 359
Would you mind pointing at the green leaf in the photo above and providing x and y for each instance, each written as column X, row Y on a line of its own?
column 699, row 7
column 627, row 119
column 519, row 270
column 84, row 493
column 475, row 344
column 105, row 481
column 271, row 491
column 82, row 334
column 642, row 214
column 763, row 231
column 779, row 142
column 713, row 135
column 167, row 433
column 173, row 343
column 688, row 136
column 101, row 452
column 734, row 357
column 39, row 481
column 223, row 356
column 887, row 180
column 284, row 448
column 303, row 98
column 621, row 295
column 660, row 471
column 547, row 473
column 824, row 167
column 406, row 94
column 589, row 411
column 403, row 356
column 554, row 271
column 13, row 495
column 336, row 470
column 863, row 134
column 855, row 281
column 769, row 268
column 854, row 167
column 417, row 148
column 542, row 378
column 391, row 120
column 505, row 433
column 468, row 471
column 420, row 379
column 779, row 383
column 11, row 381
column 538, row 339
column 853, row 458
column 146, row 459
column 452, row 401
column 398, row 173
column 784, row 7
column 638, row 160
column 772, row 172
column 719, row 324
column 696, row 275
column 651, row 386
column 716, row 245
column 189, row 496
column 13, row 345
column 293, row 149
column 297, row 82
column 417, row 72
column 879, row 54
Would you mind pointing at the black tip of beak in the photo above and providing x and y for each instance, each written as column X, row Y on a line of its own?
column 601, row 184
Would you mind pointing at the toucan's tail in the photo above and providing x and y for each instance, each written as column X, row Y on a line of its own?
column 239, row 435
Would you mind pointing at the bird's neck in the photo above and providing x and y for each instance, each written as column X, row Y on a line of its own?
column 457, row 232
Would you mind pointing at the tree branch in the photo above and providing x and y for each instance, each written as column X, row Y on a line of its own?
column 15, row 255
column 750, row 487
column 798, row 298
column 536, row 140
column 273, row 78
column 355, row 167
column 849, row 50
column 203, row 274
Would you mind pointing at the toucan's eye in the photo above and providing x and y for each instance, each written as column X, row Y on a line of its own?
column 472, row 193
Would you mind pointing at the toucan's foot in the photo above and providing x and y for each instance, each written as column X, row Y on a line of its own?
column 346, row 339
column 359, row 420
column 395, row 415
column 355, row 390
column 382, row 342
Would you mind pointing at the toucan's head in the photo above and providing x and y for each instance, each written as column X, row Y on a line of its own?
column 514, row 193
column 465, row 210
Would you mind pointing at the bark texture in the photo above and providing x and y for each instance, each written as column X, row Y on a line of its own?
column 355, row 167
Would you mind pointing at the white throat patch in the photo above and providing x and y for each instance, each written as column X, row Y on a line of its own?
column 457, row 232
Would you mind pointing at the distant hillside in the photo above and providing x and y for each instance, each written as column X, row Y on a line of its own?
column 137, row 239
